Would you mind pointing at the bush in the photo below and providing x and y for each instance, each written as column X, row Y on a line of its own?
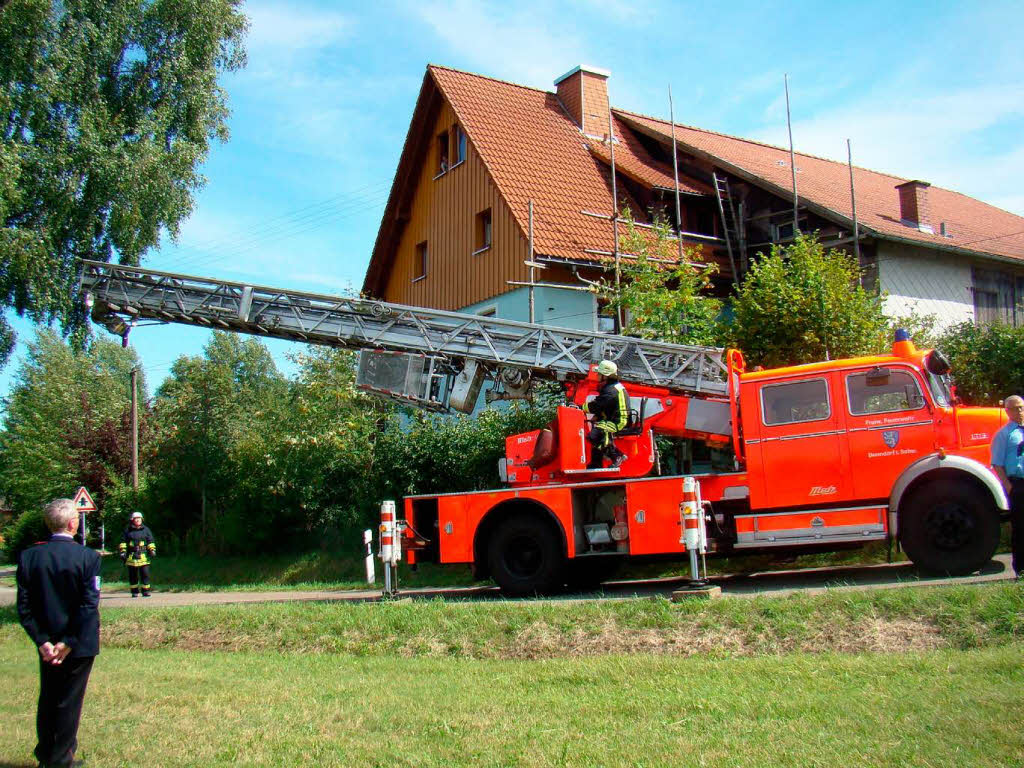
column 801, row 304
column 29, row 528
column 988, row 361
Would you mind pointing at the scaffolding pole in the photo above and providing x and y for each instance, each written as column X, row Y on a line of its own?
column 615, row 223
column 675, row 174
column 853, row 204
column 792, row 158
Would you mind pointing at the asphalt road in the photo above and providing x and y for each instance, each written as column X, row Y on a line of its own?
column 806, row 580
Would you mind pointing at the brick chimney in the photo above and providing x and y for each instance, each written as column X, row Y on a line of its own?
column 583, row 92
column 914, row 209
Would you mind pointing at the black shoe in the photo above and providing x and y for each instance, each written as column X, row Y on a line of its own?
column 592, row 465
column 618, row 461
column 146, row 594
column 135, row 594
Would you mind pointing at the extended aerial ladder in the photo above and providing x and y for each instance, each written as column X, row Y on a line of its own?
column 437, row 359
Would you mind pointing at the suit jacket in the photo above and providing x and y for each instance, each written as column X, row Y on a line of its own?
column 59, row 595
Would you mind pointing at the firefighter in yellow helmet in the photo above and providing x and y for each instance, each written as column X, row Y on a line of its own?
column 611, row 414
column 137, row 549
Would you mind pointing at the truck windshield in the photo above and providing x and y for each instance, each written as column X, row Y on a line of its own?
column 939, row 386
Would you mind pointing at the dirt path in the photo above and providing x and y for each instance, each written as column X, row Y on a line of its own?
column 807, row 580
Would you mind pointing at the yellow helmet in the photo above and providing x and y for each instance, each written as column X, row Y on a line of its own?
column 607, row 368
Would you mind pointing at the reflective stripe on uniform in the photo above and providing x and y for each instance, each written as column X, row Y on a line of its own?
column 623, row 408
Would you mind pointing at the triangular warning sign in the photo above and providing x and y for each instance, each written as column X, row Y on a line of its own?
column 83, row 501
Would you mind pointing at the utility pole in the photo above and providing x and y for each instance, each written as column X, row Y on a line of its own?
column 135, row 427
column 135, row 413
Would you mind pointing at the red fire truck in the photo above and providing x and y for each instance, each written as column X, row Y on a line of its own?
column 824, row 456
column 806, row 458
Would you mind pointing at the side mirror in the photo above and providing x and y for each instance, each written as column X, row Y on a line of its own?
column 937, row 363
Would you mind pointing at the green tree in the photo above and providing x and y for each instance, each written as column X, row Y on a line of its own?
column 986, row 361
column 307, row 470
column 66, row 421
column 107, row 110
column 664, row 299
column 802, row 303
column 204, row 410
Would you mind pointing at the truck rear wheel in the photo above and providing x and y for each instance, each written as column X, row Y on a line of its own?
column 524, row 556
column 949, row 529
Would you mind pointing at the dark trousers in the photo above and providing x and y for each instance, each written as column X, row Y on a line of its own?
column 1017, row 523
column 601, row 445
column 61, row 692
column 137, row 574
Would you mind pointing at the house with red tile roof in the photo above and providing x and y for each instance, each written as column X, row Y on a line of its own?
column 502, row 204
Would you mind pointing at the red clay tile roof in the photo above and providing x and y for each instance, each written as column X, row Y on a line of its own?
column 533, row 150
column 971, row 224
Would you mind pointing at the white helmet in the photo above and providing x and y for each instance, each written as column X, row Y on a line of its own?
column 607, row 368
column 136, row 516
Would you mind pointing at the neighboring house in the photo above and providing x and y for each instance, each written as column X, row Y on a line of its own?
column 455, row 233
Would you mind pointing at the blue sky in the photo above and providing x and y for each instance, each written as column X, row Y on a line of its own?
column 294, row 199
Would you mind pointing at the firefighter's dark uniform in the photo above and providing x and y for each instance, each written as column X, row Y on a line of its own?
column 611, row 414
column 137, row 549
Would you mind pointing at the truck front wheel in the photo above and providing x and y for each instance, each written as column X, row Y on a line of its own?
column 524, row 556
column 949, row 528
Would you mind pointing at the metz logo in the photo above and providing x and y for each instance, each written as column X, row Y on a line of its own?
column 521, row 440
column 822, row 490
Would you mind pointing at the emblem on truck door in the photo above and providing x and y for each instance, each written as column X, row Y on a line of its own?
column 891, row 437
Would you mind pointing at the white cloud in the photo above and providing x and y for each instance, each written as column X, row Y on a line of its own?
column 278, row 30
column 514, row 41
column 937, row 136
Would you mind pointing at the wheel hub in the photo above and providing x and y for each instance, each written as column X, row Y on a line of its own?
column 523, row 557
column 950, row 526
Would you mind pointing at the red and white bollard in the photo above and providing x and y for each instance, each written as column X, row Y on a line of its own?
column 371, row 576
column 390, row 547
column 693, row 536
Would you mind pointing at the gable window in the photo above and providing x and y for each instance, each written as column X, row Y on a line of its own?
column 442, row 153
column 997, row 297
column 482, row 237
column 458, row 145
column 420, row 263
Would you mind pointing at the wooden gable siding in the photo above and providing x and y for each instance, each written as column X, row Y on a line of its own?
column 443, row 213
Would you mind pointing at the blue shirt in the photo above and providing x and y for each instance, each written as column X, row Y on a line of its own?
column 1007, row 446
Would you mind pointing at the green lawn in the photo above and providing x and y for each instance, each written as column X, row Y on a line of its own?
column 178, row 708
column 902, row 677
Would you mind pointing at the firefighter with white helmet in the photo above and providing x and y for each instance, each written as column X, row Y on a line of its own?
column 611, row 414
column 137, row 549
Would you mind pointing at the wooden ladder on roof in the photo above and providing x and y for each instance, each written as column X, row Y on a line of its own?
column 730, row 225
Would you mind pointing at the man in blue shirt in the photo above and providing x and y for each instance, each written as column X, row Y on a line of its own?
column 1008, row 464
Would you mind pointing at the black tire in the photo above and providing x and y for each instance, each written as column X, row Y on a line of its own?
column 589, row 572
column 525, row 556
column 949, row 528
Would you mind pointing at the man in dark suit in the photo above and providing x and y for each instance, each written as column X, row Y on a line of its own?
column 58, row 605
